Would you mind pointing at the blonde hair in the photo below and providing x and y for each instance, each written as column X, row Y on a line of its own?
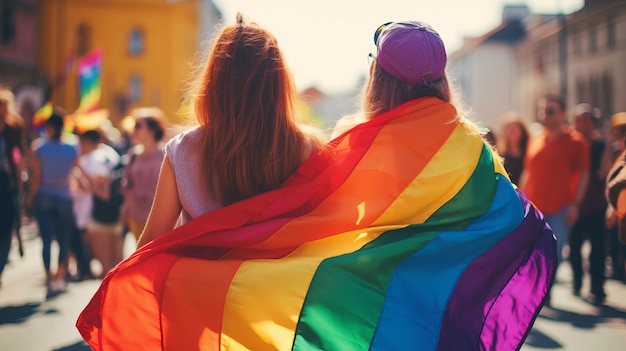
column 12, row 118
column 385, row 92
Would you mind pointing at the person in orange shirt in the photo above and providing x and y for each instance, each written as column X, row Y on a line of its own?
column 556, row 159
column 591, row 220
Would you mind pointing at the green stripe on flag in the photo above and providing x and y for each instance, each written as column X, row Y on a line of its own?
column 345, row 299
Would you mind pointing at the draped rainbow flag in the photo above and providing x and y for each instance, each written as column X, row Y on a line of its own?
column 405, row 235
column 89, row 83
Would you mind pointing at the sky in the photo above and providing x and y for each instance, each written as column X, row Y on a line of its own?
column 326, row 42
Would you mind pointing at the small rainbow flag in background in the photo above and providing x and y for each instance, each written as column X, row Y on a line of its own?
column 406, row 234
column 90, row 87
column 41, row 116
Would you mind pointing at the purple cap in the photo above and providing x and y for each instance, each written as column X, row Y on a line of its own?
column 411, row 51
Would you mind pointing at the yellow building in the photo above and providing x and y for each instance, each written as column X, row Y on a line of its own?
column 147, row 45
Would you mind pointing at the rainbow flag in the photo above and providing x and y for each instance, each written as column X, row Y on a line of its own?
column 89, row 83
column 405, row 235
column 41, row 116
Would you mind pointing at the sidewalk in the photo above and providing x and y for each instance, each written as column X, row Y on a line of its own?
column 29, row 321
column 23, row 279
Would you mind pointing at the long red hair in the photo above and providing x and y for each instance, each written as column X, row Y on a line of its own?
column 244, row 101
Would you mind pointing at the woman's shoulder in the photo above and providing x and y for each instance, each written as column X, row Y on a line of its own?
column 182, row 143
column 187, row 137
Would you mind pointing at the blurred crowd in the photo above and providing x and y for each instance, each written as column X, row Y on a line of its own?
column 566, row 163
column 86, row 188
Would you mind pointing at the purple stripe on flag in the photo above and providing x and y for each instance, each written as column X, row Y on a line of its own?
column 528, row 287
column 497, row 284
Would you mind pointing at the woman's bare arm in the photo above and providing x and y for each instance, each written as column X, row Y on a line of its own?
column 166, row 206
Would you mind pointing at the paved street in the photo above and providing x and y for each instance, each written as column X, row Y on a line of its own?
column 575, row 325
column 28, row 322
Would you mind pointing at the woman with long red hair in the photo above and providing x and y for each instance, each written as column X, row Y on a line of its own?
column 247, row 141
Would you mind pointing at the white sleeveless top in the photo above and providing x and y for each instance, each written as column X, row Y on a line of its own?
column 183, row 153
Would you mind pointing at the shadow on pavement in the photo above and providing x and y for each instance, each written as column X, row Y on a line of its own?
column 540, row 340
column 610, row 312
column 78, row 346
column 17, row 314
column 583, row 321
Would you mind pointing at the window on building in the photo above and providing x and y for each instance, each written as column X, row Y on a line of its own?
column 7, row 23
column 577, row 43
column 135, row 88
column 83, row 39
column 582, row 93
column 611, row 32
column 135, row 42
column 553, row 54
column 538, row 64
column 593, row 39
column 607, row 93
column 122, row 101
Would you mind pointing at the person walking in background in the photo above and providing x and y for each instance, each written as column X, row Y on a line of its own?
column 82, row 203
column 12, row 147
column 615, row 159
column 142, row 168
column 591, row 220
column 104, row 229
column 556, row 160
column 512, row 144
column 248, row 141
column 51, row 199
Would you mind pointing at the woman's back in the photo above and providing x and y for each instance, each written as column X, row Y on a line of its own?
column 182, row 153
column 56, row 160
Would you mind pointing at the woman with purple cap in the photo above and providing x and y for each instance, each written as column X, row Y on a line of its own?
column 409, row 92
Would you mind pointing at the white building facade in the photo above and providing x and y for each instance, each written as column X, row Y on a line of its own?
column 485, row 69
column 581, row 56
